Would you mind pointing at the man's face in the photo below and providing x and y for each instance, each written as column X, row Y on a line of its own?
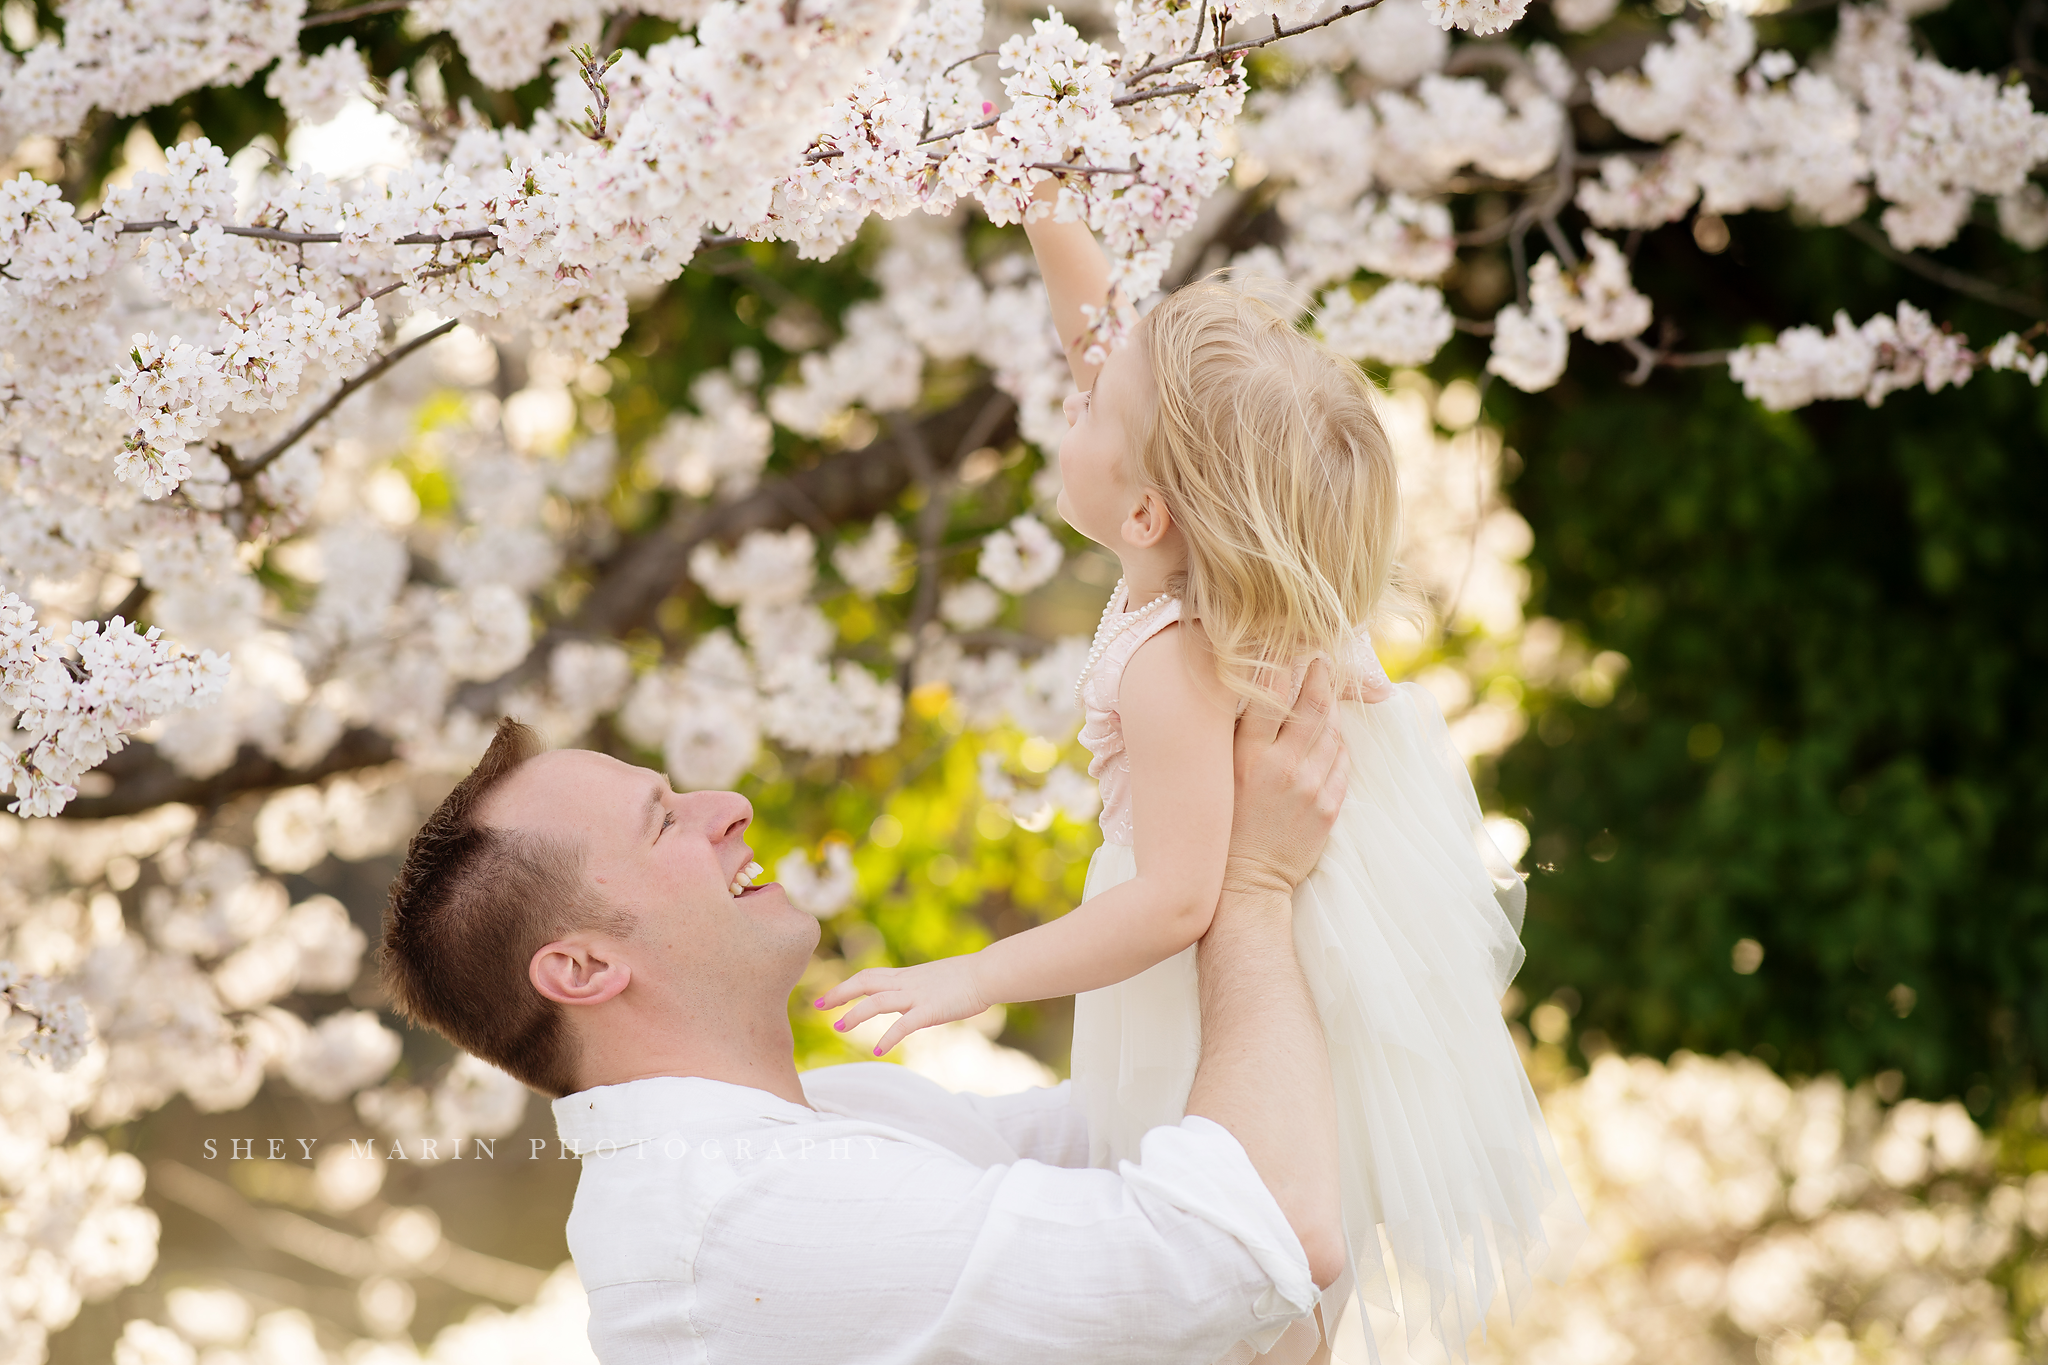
column 667, row 861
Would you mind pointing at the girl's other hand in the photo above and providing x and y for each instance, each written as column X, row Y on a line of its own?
column 926, row 994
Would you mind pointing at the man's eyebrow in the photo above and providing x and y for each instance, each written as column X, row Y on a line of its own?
column 654, row 795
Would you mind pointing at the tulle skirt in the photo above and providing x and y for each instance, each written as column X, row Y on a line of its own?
column 1408, row 933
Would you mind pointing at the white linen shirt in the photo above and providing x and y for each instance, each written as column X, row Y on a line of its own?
column 897, row 1223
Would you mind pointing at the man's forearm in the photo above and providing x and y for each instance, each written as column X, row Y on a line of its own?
column 1265, row 1068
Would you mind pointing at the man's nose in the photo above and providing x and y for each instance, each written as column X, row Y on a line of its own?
column 721, row 815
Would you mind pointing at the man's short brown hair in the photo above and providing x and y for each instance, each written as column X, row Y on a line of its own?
column 468, row 911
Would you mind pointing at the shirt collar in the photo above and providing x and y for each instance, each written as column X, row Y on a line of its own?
column 655, row 1105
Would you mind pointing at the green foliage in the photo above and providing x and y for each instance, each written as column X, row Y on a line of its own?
column 1827, row 740
column 942, row 871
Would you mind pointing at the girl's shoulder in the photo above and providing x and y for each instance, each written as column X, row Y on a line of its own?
column 1117, row 641
column 1174, row 663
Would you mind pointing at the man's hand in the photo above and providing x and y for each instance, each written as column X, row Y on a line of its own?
column 929, row 993
column 1290, row 786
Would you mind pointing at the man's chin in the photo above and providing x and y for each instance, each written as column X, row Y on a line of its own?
column 769, row 899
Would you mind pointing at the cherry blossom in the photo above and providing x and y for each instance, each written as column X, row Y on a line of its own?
column 1400, row 324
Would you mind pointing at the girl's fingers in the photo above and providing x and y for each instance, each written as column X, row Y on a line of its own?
column 859, row 984
column 898, row 1031
column 887, row 1002
column 862, row 1012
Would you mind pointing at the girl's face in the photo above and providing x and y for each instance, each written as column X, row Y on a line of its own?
column 1097, row 491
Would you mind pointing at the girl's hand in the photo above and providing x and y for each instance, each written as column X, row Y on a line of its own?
column 929, row 993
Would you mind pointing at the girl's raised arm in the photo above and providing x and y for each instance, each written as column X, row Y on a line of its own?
column 1076, row 275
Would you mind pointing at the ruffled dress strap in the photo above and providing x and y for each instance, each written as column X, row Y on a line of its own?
column 1116, row 640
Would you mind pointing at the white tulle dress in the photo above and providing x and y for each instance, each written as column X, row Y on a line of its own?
column 1408, row 932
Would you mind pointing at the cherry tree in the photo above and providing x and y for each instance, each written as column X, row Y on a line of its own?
column 212, row 371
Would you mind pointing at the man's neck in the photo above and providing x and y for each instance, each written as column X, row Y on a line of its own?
column 761, row 1057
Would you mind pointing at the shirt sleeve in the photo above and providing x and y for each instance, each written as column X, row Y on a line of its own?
column 911, row 1255
column 1042, row 1124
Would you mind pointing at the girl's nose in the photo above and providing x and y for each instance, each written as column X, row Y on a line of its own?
column 1071, row 406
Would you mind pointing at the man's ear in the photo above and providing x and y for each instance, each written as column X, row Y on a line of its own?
column 1147, row 523
column 572, row 971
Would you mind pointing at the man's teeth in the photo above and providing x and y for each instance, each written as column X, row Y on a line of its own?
column 744, row 878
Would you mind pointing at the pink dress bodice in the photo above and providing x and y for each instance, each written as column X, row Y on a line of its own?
column 1102, row 733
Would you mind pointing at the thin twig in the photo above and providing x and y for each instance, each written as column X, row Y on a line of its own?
column 247, row 469
column 317, row 238
column 971, row 57
column 394, row 287
column 1558, row 240
column 1221, row 52
column 615, row 30
column 1158, row 92
column 1650, row 357
column 1954, row 279
column 1225, row 51
column 364, row 11
column 1074, row 169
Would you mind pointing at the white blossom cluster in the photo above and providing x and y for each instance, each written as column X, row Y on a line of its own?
column 1748, row 130
column 823, row 888
column 315, row 89
column 1021, row 556
column 182, row 999
column 236, row 336
column 1375, row 133
column 1400, row 324
column 1596, row 297
column 59, row 1028
column 126, row 56
column 1064, row 791
column 1736, row 1217
column 1885, row 354
column 66, row 716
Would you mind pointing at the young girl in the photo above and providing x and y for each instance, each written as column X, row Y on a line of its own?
column 1238, row 471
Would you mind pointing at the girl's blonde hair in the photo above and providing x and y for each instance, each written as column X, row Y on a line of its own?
column 1268, row 451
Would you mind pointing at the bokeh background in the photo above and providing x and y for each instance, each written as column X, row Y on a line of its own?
column 1757, row 694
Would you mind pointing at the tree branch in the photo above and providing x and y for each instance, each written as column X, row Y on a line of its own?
column 247, row 469
column 1224, row 51
column 845, row 488
column 269, row 234
column 353, row 12
column 615, row 30
column 1994, row 294
column 144, row 779
column 1650, row 357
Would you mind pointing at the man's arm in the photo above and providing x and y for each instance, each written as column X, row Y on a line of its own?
column 1265, row 1068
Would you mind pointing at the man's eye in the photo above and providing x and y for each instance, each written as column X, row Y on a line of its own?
column 667, row 819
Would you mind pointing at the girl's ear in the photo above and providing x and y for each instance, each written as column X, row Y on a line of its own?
column 1146, row 524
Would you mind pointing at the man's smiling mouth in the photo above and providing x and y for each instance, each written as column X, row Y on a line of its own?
column 743, row 880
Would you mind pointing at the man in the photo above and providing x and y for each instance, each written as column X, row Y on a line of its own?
column 571, row 919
